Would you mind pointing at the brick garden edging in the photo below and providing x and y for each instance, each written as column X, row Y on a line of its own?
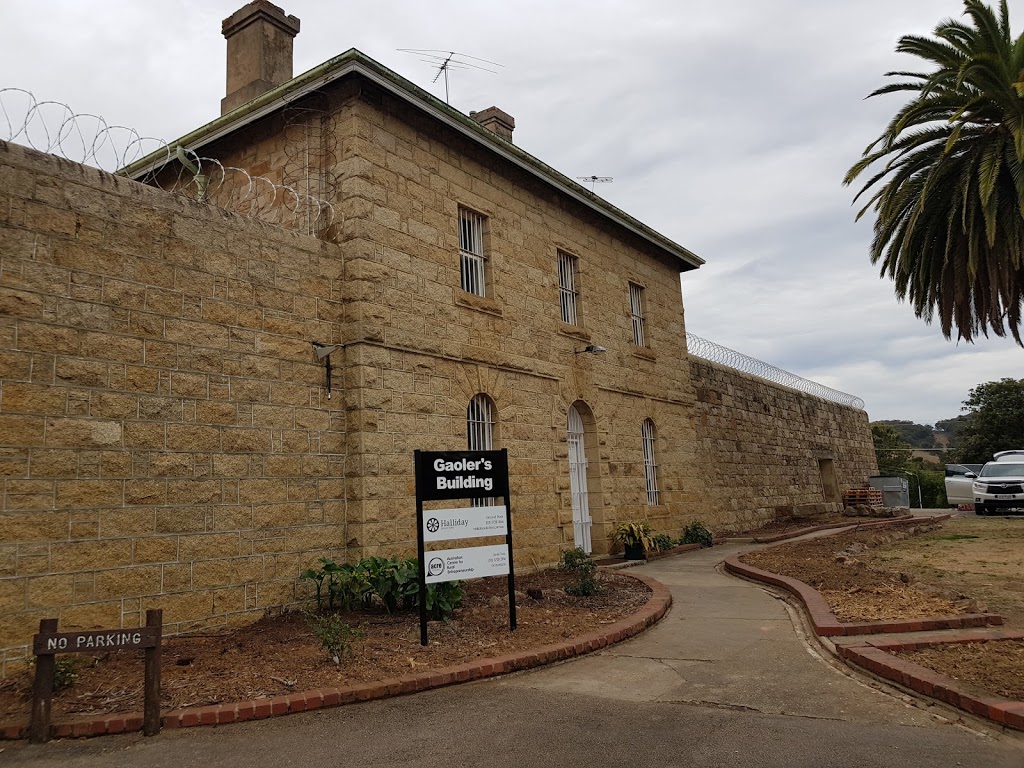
column 875, row 656
column 882, row 523
column 655, row 608
column 827, row 624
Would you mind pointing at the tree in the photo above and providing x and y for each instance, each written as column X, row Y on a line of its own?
column 949, row 229
column 995, row 423
column 918, row 435
column 892, row 451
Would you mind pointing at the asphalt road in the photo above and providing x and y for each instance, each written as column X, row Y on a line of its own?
column 724, row 680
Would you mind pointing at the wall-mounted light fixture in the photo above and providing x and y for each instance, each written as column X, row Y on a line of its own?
column 324, row 352
column 592, row 349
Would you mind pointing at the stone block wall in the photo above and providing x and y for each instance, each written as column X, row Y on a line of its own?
column 761, row 446
column 165, row 440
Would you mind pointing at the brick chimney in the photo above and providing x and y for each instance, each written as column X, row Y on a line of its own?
column 497, row 121
column 259, row 39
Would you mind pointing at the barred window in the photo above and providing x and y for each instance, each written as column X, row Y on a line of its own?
column 636, row 309
column 650, row 466
column 567, row 291
column 480, row 428
column 473, row 261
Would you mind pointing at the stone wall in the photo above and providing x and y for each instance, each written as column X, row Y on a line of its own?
column 761, row 447
column 164, row 437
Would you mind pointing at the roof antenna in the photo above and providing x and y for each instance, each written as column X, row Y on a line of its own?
column 595, row 180
column 443, row 61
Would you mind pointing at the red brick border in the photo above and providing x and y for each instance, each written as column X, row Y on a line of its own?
column 826, row 624
column 876, row 657
column 655, row 608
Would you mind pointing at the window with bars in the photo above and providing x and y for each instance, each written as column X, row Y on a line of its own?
column 480, row 429
column 472, row 260
column 567, row 290
column 636, row 310
column 650, row 466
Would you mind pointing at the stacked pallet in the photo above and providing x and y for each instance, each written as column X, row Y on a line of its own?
column 871, row 497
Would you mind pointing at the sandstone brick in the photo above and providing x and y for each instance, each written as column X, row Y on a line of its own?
column 155, row 549
column 128, row 582
column 89, row 493
column 82, row 433
column 189, row 437
column 21, row 430
column 89, row 555
column 49, row 591
column 31, row 398
column 82, row 373
column 208, row 546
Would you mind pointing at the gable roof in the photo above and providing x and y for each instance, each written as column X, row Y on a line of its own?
column 353, row 61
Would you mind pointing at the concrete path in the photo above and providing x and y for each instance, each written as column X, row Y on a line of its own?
column 724, row 680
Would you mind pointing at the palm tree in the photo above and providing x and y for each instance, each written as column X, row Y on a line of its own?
column 949, row 195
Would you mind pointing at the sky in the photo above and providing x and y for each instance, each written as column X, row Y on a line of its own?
column 726, row 126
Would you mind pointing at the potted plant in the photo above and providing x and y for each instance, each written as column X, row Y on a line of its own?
column 635, row 537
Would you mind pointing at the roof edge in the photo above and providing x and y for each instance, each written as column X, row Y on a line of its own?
column 354, row 61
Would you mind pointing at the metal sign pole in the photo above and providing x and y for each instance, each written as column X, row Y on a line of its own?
column 508, row 543
column 420, row 549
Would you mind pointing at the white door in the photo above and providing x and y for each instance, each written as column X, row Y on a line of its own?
column 578, row 482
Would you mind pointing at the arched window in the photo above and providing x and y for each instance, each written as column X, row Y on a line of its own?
column 480, row 432
column 650, row 466
column 480, row 423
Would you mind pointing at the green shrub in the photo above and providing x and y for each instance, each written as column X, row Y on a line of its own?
column 696, row 533
column 663, row 542
column 334, row 634
column 443, row 599
column 65, row 671
column 578, row 562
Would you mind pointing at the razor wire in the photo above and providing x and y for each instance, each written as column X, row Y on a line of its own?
column 716, row 353
column 56, row 129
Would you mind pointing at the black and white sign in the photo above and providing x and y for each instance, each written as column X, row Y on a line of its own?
column 476, row 475
column 465, row 523
column 467, row 563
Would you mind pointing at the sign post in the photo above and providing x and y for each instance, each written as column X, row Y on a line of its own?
column 478, row 475
column 49, row 642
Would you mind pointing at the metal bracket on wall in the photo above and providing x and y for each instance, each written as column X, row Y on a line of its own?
column 324, row 352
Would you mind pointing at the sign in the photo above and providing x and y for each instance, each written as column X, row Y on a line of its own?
column 466, row 563
column 479, row 475
column 461, row 475
column 49, row 642
column 102, row 640
column 465, row 523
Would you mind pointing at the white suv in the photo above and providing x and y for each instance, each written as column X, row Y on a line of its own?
column 1000, row 484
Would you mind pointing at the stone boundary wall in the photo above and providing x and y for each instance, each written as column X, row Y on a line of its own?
column 165, row 441
column 760, row 444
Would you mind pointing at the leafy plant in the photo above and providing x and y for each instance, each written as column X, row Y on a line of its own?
column 443, row 599
column 663, row 542
column 334, row 634
column 696, row 533
column 633, row 532
column 317, row 577
column 65, row 672
column 578, row 562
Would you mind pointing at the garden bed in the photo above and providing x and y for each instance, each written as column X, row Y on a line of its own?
column 855, row 590
column 996, row 666
column 279, row 655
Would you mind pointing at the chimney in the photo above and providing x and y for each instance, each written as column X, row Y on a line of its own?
column 259, row 39
column 493, row 119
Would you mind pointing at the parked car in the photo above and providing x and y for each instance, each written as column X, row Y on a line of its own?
column 1000, row 484
column 959, row 483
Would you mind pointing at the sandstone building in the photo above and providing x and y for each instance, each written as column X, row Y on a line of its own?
column 166, row 438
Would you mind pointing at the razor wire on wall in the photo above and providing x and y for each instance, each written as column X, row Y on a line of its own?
column 53, row 127
column 716, row 353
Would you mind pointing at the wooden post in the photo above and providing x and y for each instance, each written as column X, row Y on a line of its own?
column 151, row 706
column 42, row 691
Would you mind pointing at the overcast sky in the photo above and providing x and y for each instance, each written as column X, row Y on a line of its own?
column 727, row 126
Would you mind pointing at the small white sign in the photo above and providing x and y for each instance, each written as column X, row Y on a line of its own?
column 466, row 563
column 465, row 523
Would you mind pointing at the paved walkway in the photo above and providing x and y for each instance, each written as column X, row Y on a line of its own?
column 723, row 680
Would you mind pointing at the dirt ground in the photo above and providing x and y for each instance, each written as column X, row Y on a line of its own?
column 977, row 556
column 996, row 667
column 855, row 589
column 962, row 565
column 787, row 524
column 279, row 655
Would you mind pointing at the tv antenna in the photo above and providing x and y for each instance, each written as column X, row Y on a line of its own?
column 445, row 61
column 593, row 181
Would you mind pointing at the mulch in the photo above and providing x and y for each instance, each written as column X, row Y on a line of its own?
column 279, row 655
column 996, row 666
